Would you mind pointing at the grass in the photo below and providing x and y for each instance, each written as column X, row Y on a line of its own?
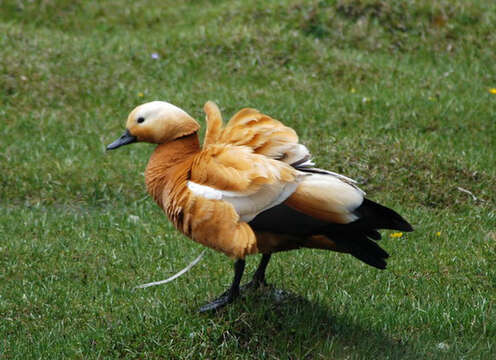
column 394, row 95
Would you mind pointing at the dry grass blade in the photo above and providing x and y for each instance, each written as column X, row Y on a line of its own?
column 175, row 276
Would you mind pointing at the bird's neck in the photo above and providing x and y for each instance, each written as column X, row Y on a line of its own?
column 169, row 166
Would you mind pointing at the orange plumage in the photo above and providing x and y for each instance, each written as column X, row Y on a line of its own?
column 252, row 188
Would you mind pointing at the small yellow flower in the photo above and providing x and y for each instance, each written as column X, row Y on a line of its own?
column 438, row 233
column 492, row 91
column 396, row 235
column 352, row 90
column 140, row 94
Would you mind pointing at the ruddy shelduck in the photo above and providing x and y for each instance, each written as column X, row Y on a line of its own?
column 252, row 188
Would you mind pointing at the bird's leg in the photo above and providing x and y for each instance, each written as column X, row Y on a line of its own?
column 232, row 293
column 259, row 275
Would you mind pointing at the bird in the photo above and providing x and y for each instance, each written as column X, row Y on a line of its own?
column 252, row 188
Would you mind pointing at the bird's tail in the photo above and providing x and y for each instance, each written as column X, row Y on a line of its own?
column 375, row 216
column 358, row 237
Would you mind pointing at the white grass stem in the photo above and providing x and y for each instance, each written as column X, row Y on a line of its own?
column 467, row 192
column 175, row 276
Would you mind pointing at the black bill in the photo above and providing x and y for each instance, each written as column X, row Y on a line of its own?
column 125, row 139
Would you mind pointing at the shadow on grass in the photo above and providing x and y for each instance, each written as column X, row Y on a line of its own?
column 285, row 325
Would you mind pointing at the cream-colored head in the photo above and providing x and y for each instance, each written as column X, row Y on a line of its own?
column 160, row 122
column 156, row 122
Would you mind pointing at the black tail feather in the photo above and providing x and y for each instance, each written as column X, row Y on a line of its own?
column 358, row 235
column 369, row 252
column 357, row 243
column 375, row 216
column 373, row 234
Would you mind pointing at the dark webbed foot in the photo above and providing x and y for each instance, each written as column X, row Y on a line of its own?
column 234, row 291
column 231, row 294
column 226, row 298
column 254, row 284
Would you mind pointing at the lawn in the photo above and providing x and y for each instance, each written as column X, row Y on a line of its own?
column 394, row 94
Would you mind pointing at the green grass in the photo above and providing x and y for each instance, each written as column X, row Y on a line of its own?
column 395, row 96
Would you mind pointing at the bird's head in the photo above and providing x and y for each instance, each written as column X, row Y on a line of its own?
column 156, row 122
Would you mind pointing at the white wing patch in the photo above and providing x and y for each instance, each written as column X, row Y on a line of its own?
column 343, row 178
column 294, row 154
column 307, row 164
column 205, row 191
column 331, row 194
column 247, row 206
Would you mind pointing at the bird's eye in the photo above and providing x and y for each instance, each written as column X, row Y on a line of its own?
column 141, row 119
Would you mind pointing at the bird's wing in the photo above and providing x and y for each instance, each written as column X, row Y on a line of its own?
column 261, row 133
column 250, row 182
column 214, row 124
column 328, row 197
column 322, row 194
